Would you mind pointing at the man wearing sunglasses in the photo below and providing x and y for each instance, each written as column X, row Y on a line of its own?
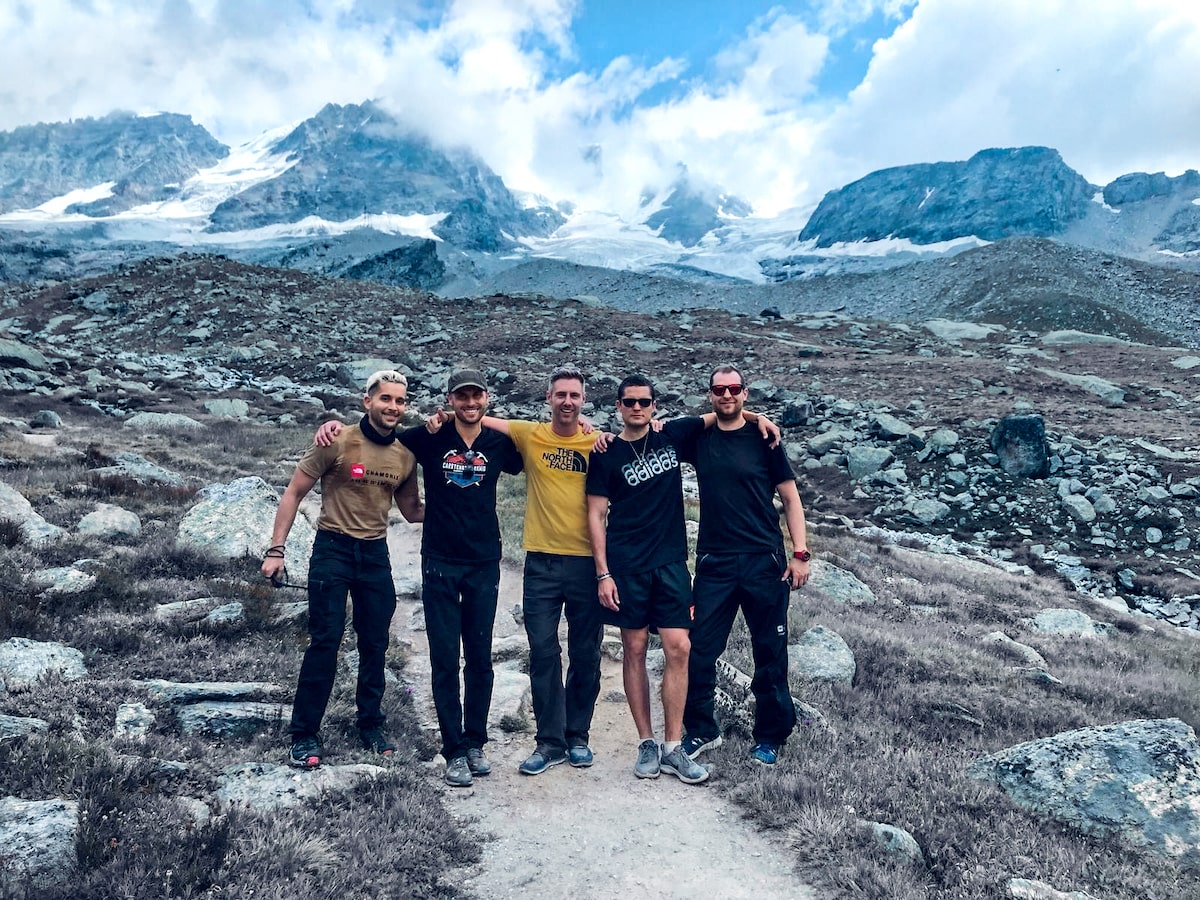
column 639, row 543
column 741, row 563
column 360, row 474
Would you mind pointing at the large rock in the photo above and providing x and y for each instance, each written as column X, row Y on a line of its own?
column 23, row 662
column 38, row 841
column 108, row 521
column 838, row 584
column 1020, row 442
column 265, row 787
column 34, row 529
column 18, row 726
column 864, row 461
column 1137, row 780
column 151, row 421
column 141, row 470
column 1110, row 393
column 235, row 520
column 230, row 719
column 1069, row 623
column 822, row 655
column 16, row 355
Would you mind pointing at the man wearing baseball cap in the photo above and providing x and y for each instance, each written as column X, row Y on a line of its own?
column 460, row 564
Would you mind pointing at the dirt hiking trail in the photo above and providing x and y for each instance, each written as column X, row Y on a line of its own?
column 598, row 832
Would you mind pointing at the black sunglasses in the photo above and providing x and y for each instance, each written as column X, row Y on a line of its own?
column 631, row 402
column 720, row 389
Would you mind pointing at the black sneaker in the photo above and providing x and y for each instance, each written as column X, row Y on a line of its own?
column 305, row 753
column 376, row 740
column 477, row 761
column 764, row 754
column 540, row 760
column 693, row 745
column 580, row 756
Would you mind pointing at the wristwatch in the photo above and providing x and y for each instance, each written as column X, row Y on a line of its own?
column 802, row 555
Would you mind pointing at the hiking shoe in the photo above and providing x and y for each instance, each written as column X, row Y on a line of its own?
column 647, row 761
column 694, row 745
column 377, row 741
column 683, row 767
column 305, row 753
column 477, row 762
column 458, row 772
column 764, row 753
column 540, row 760
column 580, row 755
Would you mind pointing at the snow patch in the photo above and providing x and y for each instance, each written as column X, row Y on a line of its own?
column 1098, row 197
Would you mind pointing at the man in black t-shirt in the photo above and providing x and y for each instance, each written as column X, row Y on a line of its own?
column 641, row 566
column 460, row 566
column 741, row 562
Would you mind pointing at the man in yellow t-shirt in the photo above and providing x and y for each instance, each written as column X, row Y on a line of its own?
column 559, row 575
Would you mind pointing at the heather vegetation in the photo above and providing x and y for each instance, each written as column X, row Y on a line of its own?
column 928, row 698
column 141, row 832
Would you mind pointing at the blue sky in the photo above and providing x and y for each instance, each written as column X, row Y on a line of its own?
column 599, row 102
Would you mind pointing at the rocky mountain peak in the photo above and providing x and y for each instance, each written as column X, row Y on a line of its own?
column 145, row 157
column 358, row 160
column 997, row 193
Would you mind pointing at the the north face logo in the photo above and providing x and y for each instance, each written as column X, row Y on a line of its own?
column 358, row 470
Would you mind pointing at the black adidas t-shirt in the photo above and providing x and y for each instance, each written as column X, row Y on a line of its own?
column 644, row 488
column 460, row 491
column 737, row 472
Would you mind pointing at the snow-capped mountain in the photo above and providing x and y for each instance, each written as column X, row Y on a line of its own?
column 352, row 192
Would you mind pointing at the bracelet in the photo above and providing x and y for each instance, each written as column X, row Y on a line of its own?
column 276, row 552
column 603, row 575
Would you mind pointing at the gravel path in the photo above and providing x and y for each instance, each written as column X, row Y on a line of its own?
column 597, row 832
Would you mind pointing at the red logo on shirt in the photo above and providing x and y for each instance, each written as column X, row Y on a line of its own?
column 358, row 470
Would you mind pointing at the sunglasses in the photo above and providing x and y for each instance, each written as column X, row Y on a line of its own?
column 631, row 402
column 720, row 389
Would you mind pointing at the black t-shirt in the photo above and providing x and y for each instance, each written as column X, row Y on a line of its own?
column 644, row 488
column 460, row 491
column 737, row 472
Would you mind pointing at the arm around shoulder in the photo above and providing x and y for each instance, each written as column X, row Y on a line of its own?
column 408, row 500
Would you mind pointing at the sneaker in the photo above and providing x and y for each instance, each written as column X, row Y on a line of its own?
column 683, row 767
column 477, row 762
column 581, row 756
column 376, row 740
column 647, row 761
column 765, row 754
column 540, row 760
column 305, row 753
column 693, row 745
column 458, row 772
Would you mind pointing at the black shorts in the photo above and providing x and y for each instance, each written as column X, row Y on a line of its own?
column 657, row 598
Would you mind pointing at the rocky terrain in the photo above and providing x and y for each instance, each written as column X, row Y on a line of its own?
column 890, row 424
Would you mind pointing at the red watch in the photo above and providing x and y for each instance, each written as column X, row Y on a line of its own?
column 802, row 555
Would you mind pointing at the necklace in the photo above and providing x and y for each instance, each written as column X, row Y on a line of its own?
column 640, row 454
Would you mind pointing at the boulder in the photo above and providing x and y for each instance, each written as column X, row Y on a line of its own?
column 230, row 719
column 838, row 584
column 896, row 842
column 107, row 521
column 1020, row 442
column 23, row 662
column 889, row 428
column 1138, row 781
column 134, row 721
column 1069, row 623
column 141, row 470
column 864, row 461
column 264, row 787
column 960, row 331
column 229, row 408
column 17, row 355
column 1110, row 393
column 1026, row 889
column 18, row 726
column 235, row 520
column 822, row 655
column 168, row 422
column 38, row 837
column 34, row 529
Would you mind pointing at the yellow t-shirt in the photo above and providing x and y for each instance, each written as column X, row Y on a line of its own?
column 358, row 480
column 555, row 471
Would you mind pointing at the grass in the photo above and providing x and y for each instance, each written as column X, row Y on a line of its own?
column 928, row 699
column 139, row 836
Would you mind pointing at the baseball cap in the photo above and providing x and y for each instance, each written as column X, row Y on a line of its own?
column 465, row 378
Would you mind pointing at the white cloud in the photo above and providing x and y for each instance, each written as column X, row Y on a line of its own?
column 1110, row 83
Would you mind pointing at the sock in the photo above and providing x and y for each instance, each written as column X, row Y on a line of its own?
column 668, row 746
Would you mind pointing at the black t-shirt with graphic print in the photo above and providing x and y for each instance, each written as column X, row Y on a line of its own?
column 644, row 488
column 460, row 491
